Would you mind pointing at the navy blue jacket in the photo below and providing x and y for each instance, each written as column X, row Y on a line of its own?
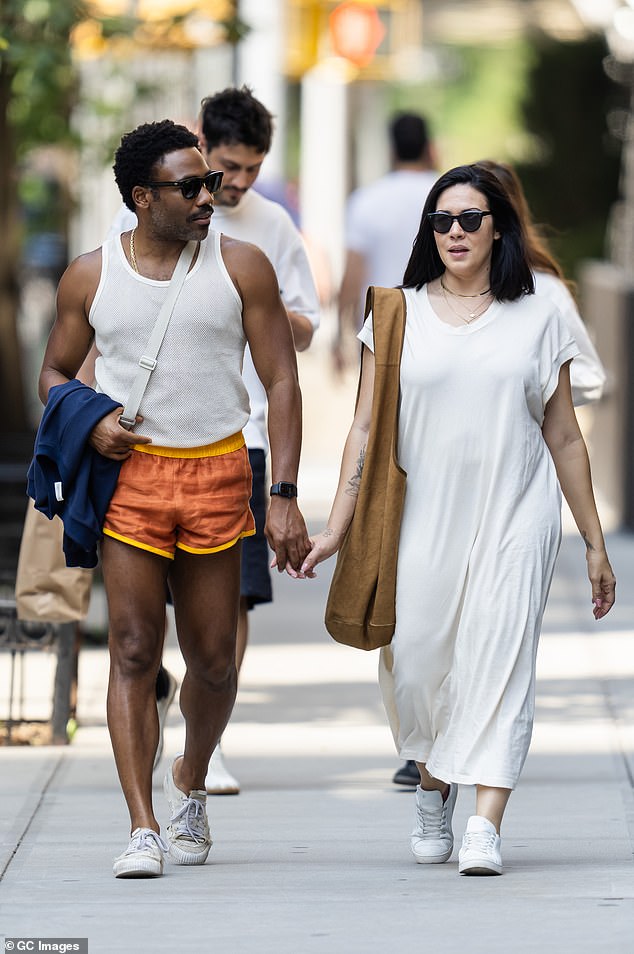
column 67, row 475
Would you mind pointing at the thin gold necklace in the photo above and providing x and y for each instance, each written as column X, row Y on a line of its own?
column 458, row 295
column 472, row 314
column 132, row 254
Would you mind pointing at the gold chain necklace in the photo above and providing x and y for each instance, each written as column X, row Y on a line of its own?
column 132, row 254
column 476, row 313
column 458, row 295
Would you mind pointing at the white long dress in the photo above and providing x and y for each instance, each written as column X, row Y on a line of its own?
column 480, row 533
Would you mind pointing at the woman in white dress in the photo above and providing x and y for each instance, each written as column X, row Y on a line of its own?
column 487, row 436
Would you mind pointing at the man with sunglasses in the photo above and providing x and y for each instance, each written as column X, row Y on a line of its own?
column 180, row 507
column 236, row 131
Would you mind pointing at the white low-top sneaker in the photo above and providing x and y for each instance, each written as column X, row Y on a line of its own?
column 143, row 858
column 480, row 853
column 432, row 838
column 219, row 779
column 188, row 830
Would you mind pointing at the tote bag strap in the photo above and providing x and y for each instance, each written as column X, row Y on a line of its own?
column 388, row 322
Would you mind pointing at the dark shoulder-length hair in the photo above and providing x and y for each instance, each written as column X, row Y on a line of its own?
column 511, row 275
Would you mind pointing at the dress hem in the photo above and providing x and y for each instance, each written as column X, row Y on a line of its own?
column 459, row 778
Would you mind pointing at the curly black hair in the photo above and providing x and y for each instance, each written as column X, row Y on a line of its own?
column 142, row 149
column 235, row 116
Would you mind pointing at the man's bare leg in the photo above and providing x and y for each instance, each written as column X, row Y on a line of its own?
column 242, row 637
column 135, row 588
column 206, row 591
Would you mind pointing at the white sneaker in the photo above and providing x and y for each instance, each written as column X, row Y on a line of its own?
column 219, row 781
column 162, row 706
column 143, row 858
column 432, row 838
column 480, row 853
column 188, row 830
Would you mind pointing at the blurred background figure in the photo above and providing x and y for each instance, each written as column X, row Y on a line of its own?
column 381, row 222
column 587, row 376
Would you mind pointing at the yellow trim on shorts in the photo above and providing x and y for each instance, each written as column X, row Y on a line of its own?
column 180, row 546
column 136, row 543
column 226, row 446
column 224, row 546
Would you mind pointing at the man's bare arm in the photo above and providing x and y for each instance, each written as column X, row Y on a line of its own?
column 349, row 304
column 268, row 331
column 70, row 342
column 302, row 328
column 71, row 335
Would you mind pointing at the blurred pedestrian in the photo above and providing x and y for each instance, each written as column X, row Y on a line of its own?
column 487, row 436
column 236, row 132
column 381, row 221
column 181, row 503
column 587, row 375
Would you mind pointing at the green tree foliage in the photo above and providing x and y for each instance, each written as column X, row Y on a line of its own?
column 36, row 68
column 572, row 182
column 37, row 92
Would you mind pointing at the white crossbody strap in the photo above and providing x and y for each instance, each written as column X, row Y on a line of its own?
column 148, row 360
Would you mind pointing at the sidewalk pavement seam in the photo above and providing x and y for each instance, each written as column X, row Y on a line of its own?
column 624, row 755
column 31, row 813
column 621, row 731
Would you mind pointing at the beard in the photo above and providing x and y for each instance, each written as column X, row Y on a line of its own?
column 164, row 227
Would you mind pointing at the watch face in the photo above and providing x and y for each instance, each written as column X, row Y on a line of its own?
column 284, row 489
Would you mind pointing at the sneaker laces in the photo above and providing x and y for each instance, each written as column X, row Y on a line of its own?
column 432, row 823
column 190, row 820
column 480, row 840
column 141, row 838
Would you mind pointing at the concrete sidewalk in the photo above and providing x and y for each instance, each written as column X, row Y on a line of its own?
column 313, row 856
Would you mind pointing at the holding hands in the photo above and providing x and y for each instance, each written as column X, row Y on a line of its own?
column 319, row 548
column 323, row 545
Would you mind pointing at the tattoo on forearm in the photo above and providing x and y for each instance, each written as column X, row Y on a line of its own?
column 586, row 541
column 328, row 532
column 353, row 484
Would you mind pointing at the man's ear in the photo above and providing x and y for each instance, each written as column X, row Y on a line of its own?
column 141, row 196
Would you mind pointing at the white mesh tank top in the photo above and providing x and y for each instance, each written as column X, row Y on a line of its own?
column 195, row 395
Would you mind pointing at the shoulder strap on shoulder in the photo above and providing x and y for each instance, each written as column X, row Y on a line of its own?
column 388, row 321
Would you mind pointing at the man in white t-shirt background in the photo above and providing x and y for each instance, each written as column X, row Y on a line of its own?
column 381, row 222
column 235, row 132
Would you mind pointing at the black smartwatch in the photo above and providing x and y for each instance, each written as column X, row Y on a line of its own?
column 283, row 489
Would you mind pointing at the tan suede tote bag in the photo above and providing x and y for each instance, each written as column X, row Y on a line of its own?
column 360, row 610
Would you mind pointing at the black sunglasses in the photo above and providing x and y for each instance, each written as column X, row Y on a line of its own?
column 191, row 186
column 470, row 221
